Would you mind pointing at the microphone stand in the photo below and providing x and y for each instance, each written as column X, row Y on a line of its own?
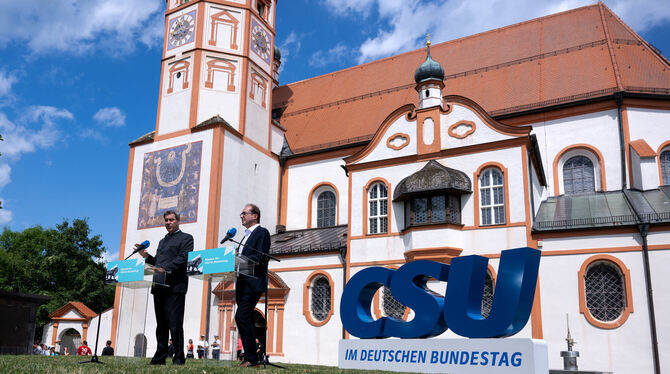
column 266, row 358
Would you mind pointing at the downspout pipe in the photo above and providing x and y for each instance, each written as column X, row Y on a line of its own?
column 644, row 230
column 618, row 96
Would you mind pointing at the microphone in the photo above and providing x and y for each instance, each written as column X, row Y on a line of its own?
column 229, row 234
column 143, row 245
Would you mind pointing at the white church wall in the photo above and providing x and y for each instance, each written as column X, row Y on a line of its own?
column 219, row 94
column 400, row 134
column 303, row 178
column 176, row 95
column 276, row 139
column 493, row 240
column 461, row 114
column 306, row 261
column 649, row 125
column 599, row 130
column 248, row 176
column 659, row 262
column 221, row 32
column 590, row 241
column 258, row 107
column 105, row 330
column 304, row 343
column 600, row 349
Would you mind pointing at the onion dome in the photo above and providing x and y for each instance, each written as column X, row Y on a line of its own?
column 430, row 69
column 277, row 53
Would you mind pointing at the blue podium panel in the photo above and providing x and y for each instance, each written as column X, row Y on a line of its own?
column 211, row 261
column 125, row 271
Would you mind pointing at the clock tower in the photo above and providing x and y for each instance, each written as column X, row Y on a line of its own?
column 217, row 61
column 214, row 147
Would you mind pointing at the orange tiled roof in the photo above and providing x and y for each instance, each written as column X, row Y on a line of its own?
column 565, row 57
column 642, row 148
column 80, row 307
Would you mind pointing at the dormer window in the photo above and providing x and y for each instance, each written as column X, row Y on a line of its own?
column 432, row 195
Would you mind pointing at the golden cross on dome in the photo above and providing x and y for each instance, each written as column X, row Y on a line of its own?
column 427, row 39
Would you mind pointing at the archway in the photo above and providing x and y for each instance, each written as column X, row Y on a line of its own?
column 140, row 349
column 259, row 326
column 70, row 339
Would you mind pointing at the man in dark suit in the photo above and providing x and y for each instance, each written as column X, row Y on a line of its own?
column 170, row 263
column 248, row 290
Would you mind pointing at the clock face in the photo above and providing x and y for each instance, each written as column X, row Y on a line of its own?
column 181, row 30
column 260, row 42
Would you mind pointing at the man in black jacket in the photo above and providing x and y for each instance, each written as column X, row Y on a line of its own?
column 248, row 290
column 170, row 263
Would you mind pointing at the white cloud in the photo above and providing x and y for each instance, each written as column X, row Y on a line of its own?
column 113, row 26
column 110, row 117
column 290, row 46
column 21, row 139
column 6, row 82
column 6, row 216
column 24, row 138
column 5, row 174
column 109, row 256
column 334, row 55
column 402, row 25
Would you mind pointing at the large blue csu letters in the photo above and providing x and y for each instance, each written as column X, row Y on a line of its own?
column 460, row 309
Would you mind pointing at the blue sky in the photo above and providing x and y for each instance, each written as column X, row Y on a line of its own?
column 79, row 80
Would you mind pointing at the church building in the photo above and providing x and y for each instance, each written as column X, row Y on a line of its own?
column 553, row 133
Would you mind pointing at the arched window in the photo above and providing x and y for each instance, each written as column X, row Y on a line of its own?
column 492, row 197
column 326, row 209
column 391, row 306
column 320, row 298
column 605, row 291
column 664, row 159
column 487, row 299
column 377, row 209
column 578, row 175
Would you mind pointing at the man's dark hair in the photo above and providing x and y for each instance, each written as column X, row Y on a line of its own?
column 85, row 342
column 255, row 210
column 109, row 342
column 168, row 212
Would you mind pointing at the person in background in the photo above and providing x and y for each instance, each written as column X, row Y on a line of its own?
column 216, row 347
column 66, row 352
column 108, row 350
column 202, row 347
column 189, row 349
column 240, row 350
column 171, row 349
column 37, row 349
column 84, row 350
column 52, row 351
column 45, row 350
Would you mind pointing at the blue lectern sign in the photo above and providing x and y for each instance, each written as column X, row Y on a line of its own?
column 211, row 261
column 125, row 271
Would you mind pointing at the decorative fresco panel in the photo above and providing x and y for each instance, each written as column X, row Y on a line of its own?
column 170, row 181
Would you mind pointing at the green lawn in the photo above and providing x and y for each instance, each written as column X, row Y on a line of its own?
column 71, row 365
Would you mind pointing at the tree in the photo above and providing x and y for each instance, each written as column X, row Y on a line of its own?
column 64, row 263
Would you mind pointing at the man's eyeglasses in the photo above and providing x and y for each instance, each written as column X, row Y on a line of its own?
column 244, row 213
